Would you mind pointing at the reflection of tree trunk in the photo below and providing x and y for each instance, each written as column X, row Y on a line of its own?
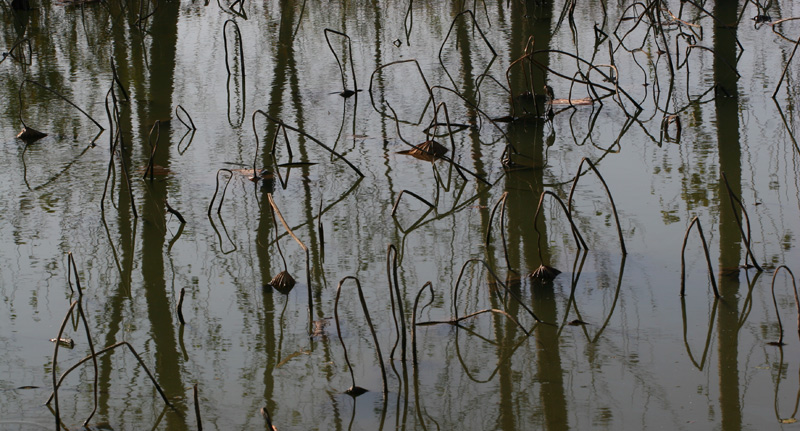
column 129, row 70
column 162, row 72
column 283, row 57
column 284, row 77
column 265, row 223
column 522, row 205
column 730, row 240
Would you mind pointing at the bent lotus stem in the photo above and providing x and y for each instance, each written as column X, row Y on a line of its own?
column 179, row 307
column 216, row 189
column 394, row 295
column 546, row 272
column 745, row 238
column 225, row 44
column 345, row 92
column 419, row 198
column 62, row 97
column 429, row 285
column 608, row 193
column 305, row 249
column 696, row 221
column 71, row 267
column 355, row 390
column 153, row 147
column 456, row 321
column 497, row 280
column 94, row 361
column 502, row 204
column 189, row 126
column 196, row 397
column 775, row 302
column 55, row 362
column 100, row 352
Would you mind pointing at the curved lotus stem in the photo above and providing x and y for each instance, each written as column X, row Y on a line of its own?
column 414, row 319
column 355, row 390
column 694, row 221
column 608, row 192
column 775, row 302
column 394, row 295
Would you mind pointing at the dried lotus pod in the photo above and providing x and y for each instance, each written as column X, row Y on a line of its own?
column 29, row 134
column 283, row 282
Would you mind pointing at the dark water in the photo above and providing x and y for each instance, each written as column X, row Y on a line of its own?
column 685, row 95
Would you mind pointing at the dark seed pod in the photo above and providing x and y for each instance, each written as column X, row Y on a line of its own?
column 283, row 282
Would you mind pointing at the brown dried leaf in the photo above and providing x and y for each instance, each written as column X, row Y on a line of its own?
column 428, row 150
column 544, row 273
column 29, row 134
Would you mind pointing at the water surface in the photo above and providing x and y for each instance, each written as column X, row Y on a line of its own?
column 645, row 357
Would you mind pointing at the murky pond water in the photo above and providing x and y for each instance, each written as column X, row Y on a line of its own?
column 662, row 98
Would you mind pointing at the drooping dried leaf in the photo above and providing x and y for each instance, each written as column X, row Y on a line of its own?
column 428, row 150
column 355, row 391
column 29, row 134
column 544, row 273
column 283, row 282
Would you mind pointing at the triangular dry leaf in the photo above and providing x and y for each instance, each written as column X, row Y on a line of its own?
column 29, row 134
